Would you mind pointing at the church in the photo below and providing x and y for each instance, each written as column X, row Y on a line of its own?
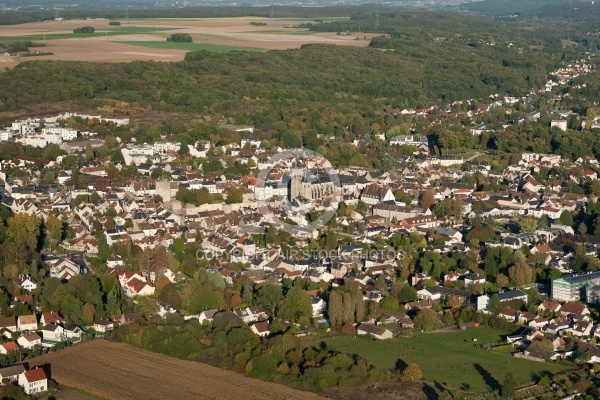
column 310, row 186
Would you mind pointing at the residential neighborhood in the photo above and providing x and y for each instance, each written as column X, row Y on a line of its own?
column 111, row 234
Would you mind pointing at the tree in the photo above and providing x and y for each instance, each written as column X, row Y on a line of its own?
column 407, row 294
column 234, row 196
column 520, row 273
column 494, row 304
column 545, row 382
column 543, row 222
column 428, row 199
column 296, row 304
column 89, row 153
column 88, row 314
column 390, row 303
column 334, row 308
column 502, row 281
column 113, row 303
column 183, row 149
column 85, row 29
column 269, row 295
column 454, row 302
column 54, row 231
column 566, row 218
column 24, row 229
column 528, row 224
column 427, row 320
column 481, row 234
column 180, row 37
column 412, row 372
column 170, row 295
column 582, row 227
column 509, row 386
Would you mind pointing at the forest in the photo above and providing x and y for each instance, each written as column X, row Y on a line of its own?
column 415, row 59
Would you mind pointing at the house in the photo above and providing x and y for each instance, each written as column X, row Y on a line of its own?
column 207, row 315
column 8, row 323
column 375, row 331
column 30, row 341
column 318, row 306
column 12, row 373
column 550, row 306
column 573, row 308
column 398, row 317
column 539, row 323
column 126, row 319
column 65, row 269
column 526, row 317
column 508, row 314
column 52, row 332
column 374, row 194
column 33, row 381
column 483, row 300
column 25, row 282
column 473, row 279
column 114, row 261
column 103, row 325
column 51, row 317
column 581, row 328
column 593, row 352
column 418, row 305
column 260, row 328
column 73, row 332
column 27, row 322
column 7, row 347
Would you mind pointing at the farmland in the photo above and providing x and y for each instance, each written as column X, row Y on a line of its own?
column 119, row 371
column 134, row 39
column 448, row 358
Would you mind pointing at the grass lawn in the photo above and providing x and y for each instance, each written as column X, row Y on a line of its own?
column 128, row 30
column 192, row 46
column 448, row 358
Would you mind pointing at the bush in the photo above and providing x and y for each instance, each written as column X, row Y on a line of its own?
column 180, row 37
column 114, row 23
column 85, row 29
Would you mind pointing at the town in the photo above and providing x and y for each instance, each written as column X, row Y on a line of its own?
column 106, row 230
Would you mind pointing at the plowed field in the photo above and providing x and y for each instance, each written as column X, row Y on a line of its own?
column 119, row 371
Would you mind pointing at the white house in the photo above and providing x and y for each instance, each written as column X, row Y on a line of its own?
column 103, row 325
column 207, row 316
column 12, row 373
column 27, row 322
column 33, row 381
column 375, row 331
column 318, row 306
column 29, row 341
column 25, row 282
column 260, row 328
column 65, row 269
column 52, row 332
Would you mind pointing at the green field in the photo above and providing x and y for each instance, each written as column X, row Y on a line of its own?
column 448, row 358
column 284, row 32
column 324, row 19
column 129, row 30
column 191, row 46
column 249, row 18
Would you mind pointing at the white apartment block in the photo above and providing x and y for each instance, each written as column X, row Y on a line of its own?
column 65, row 133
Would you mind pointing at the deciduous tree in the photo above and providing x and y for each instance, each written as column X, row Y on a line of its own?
column 412, row 372
column 427, row 320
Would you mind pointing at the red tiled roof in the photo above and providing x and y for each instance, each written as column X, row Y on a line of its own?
column 34, row 375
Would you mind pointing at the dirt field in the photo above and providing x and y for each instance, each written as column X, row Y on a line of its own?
column 119, row 371
column 235, row 32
